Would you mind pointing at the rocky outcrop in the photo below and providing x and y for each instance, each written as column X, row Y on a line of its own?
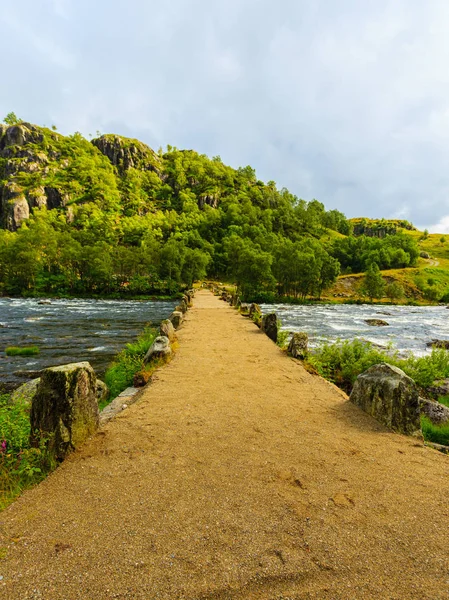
column 434, row 411
column 209, row 200
column 14, row 206
column 270, row 326
column 390, row 396
column 160, row 348
column 298, row 346
column 167, row 330
column 376, row 322
column 19, row 135
column 64, row 411
column 125, row 153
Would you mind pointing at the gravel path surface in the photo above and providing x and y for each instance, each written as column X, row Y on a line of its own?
column 237, row 476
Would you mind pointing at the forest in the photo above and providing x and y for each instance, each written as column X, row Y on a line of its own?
column 112, row 217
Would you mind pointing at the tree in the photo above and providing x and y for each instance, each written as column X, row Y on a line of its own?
column 12, row 119
column 373, row 284
column 394, row 291
column 442, row 239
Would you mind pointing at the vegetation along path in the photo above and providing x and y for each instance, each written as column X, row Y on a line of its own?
column 237, row 476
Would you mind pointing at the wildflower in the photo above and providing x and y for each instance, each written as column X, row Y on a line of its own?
column 3, row 447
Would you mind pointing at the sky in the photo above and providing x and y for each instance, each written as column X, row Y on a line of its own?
column 345, row 101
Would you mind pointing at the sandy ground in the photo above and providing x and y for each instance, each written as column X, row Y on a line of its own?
column 237, row 476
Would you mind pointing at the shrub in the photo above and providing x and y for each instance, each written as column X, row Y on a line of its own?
column 25, row 351
column 120, row 374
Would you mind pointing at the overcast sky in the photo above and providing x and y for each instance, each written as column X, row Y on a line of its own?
column 346, row 101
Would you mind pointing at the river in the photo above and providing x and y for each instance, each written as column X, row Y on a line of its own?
column 70, row 331
column 409, row 327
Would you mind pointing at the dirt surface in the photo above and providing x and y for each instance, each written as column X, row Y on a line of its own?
column 237, row 476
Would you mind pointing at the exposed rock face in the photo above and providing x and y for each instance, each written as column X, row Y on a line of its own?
column 176, row 319
column 298, row 346
column 160, row 348
column 390, row 396
column 270, row 326
column 376, row 322
column 436, row 412
column 439, row 344
column 14, row 207
column 18, row 135
column 65, row 408
column 209, row 199
column 55, row 198
column 167, row 330
column 125, row 153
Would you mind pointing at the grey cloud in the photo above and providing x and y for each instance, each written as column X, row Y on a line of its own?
column 343, row 101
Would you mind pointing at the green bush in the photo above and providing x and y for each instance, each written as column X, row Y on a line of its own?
column 25, row 351
column 342, row 362
column 439, row 434
column 120, row 374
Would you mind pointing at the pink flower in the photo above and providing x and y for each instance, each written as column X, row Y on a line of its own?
column 3, row 446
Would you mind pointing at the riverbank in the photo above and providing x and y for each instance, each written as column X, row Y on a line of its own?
column 237, row 475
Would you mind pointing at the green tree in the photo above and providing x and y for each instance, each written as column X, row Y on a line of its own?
column 373, row 284
column 12, row 119
column 394, row 291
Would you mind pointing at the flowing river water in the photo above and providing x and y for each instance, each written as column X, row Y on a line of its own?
column 70, row 331
column 409, row 327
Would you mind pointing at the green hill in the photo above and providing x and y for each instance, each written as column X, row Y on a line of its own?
column 112, row 216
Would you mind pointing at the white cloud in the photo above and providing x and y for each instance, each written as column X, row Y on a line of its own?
column 441, row 227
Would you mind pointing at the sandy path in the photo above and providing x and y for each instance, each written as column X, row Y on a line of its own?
column 237, row 476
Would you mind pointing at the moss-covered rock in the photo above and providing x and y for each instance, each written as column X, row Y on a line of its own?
column 64, row 410
column 390, row 396
column 270, row 326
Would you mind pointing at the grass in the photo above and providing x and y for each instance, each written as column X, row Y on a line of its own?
column 21, row 466
column 127, row 363
column 438, row 434
column 24, row 351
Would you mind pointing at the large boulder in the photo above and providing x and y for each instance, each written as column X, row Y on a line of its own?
column 298, row 346
column 166, row 329
column 424, row 254
column 439, row 388
column 176, row 319
column 390, row 396
column 64, row 411
column 270, row 326
column 182, row 307
column 101, row 390
column 160, row 348
column 436, row 412
column 376, row 322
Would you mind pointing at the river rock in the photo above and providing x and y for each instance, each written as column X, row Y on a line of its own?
column 160, row 348
column 166, row 329
column 64, row 411
column 298, row 346
column 376, row 322
column 270, row 326
column 436, row 412
column 444, row 344
column 390, row 396
column 44, row 302
column 176, row 319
